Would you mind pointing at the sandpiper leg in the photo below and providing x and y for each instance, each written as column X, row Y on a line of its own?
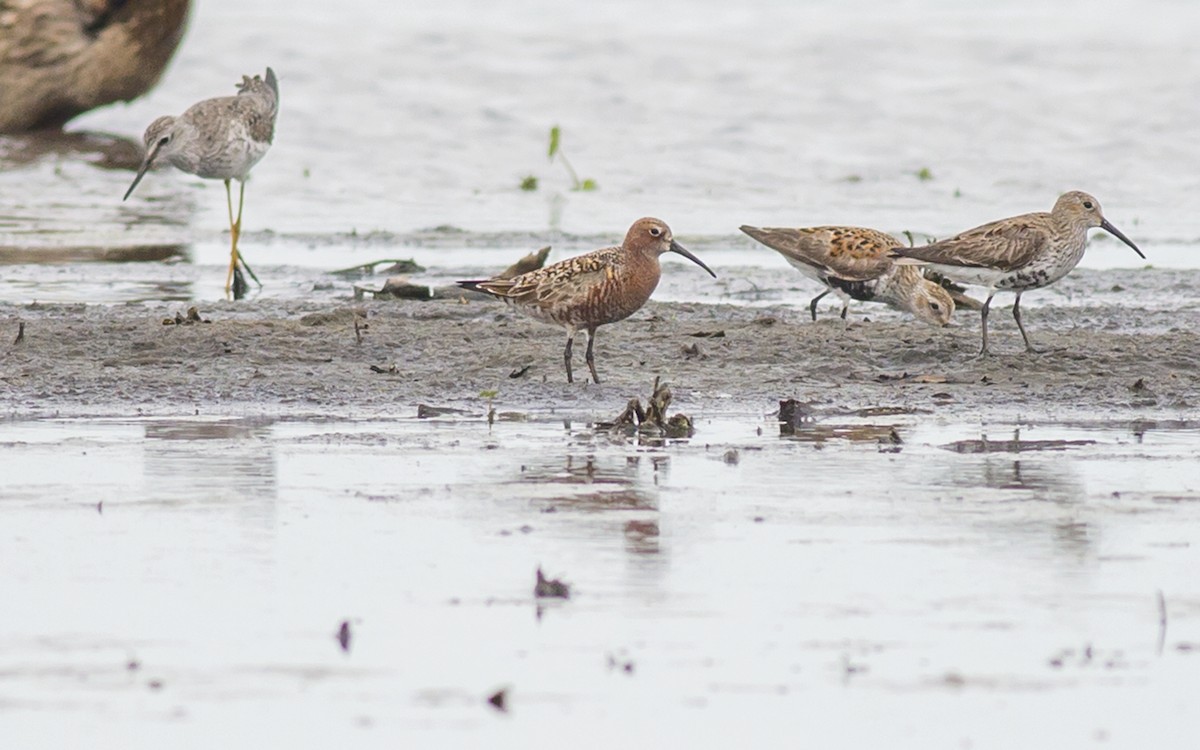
column 240, row 257
column 812, row 306
column 983, row 319
column 233, row 234
column 591, row 360
column 1029, row 347
column 567, row 356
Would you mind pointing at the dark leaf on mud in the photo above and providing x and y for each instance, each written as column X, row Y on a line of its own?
column 343, row 635
column 519, row 372
column 499, row 699
column 550, row 588
column 398, row 266
column 530, row 262
column 708, row 334
column 389, row 370
column 399, row 287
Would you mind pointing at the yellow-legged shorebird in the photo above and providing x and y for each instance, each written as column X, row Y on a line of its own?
column 222, row 139
column 1017, row 254
column 853, row 263
column 590, row 290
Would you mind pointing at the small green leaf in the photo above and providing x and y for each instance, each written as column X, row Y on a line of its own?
column 554, row 138
column 924, row 174
column 587, row 184
column 488, row 394
column 529, row 183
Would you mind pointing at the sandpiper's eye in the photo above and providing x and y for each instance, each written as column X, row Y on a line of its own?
column 164, row 140
column 1088, row 205
column 935, row 306
column 655, row 231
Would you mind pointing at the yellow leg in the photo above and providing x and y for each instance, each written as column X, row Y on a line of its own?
column 234, row 230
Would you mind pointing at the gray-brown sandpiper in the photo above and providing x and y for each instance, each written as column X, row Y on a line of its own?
column 1017, row 254
column 222, row 139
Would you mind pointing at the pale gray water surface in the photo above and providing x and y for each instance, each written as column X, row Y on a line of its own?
column 178, row 583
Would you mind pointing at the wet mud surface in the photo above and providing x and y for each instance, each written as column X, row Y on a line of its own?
column 383, row 358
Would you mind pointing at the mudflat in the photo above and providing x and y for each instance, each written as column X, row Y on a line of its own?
column 1113, row 350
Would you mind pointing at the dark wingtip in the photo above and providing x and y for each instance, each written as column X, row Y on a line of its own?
column 471, row 285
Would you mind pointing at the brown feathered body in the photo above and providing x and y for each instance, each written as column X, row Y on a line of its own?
column 853, row 262
column 583, row 292
column 1018, row 253
column 594, row 289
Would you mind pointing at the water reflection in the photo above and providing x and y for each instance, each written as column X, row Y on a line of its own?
column 1044, row 480
column 590, row 482
column 187, row 459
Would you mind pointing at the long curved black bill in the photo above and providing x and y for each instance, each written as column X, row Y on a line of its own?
column 1117, row 233
column 142, row 169
column 677, row 248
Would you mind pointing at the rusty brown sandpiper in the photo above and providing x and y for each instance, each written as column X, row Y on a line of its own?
column 1017, row 254
column 222, row 139
column 591, row 290
column 853, row 263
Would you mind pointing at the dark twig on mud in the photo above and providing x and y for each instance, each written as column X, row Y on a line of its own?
column 20, row 333
column 1162, row 621
column 653, row 417
column 357, row 332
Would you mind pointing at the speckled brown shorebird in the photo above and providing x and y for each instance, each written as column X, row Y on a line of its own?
column 853, row 263
column 588, row 291
column 1017, row 254
column 221, row 139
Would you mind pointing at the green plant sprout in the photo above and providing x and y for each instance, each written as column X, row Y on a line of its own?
column 555, row 150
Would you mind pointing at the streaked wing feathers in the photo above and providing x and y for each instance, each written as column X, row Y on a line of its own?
column 850, row 253
column 1004, row 245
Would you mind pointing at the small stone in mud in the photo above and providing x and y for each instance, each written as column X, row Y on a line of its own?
column 693, row 350
column 679, row 426
column 389, row 370
column 708, row 334
column 499, row 699
column 731, row 457
column 424, row 411
column 550, row 588
column 343, row 635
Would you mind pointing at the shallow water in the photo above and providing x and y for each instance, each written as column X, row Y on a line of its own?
column 694, row 111
column 181, row 581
